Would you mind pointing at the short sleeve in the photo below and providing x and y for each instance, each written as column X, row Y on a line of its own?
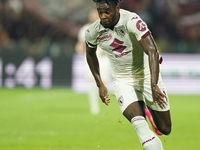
column 138, row 27
column 90, row 39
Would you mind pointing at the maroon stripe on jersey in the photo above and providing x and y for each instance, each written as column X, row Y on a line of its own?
column 146, row 34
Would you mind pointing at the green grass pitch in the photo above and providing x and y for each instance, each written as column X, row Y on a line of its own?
column 59, row 119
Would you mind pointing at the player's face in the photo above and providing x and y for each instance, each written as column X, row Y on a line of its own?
column 108, row 14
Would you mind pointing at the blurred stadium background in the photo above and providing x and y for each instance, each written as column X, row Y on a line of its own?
column 37, row 51
column 37, row 40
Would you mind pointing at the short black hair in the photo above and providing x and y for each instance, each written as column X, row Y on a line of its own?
column 107, row 1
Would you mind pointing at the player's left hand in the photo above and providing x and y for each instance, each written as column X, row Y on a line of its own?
column 103, row 94
column 159, row 97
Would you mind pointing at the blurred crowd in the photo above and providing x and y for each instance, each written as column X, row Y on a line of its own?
column 175, row 24
column 38, row 27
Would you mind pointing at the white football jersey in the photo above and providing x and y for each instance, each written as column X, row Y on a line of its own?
column 122, row 46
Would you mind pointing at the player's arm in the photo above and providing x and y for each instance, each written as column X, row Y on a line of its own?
column 150, row 49
column 93, row 63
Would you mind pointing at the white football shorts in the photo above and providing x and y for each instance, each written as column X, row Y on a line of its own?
column 128, row 92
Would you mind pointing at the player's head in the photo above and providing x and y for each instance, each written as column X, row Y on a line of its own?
column 108, row 11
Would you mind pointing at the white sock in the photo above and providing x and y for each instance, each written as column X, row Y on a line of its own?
column 147, row 138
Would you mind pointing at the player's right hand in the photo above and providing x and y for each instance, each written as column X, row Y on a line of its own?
column 159, row 97
column 103, row 94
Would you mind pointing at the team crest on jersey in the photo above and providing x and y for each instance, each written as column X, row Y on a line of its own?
column 121, row 100
column 121, row 30
column 141, row 26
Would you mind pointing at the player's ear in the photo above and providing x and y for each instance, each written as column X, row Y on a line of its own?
column 117, row 8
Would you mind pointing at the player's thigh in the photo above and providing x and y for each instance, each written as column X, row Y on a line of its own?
column 161, row 116
column 136, row 108
column 149, row 99
column 126, row 95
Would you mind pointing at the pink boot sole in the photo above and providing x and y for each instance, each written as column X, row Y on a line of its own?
column 148, row 114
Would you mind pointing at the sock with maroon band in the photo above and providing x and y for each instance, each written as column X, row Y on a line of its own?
column 147, row 138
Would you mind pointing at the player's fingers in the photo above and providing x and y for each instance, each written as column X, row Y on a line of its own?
column 106, row 102
column 162, row 103
column 102, row 98
column 159, row 100
column 163, row 96
column 154, row 102
column 105, row 99
column 163, row 99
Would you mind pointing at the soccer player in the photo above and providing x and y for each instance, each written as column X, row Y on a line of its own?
column 134, row 59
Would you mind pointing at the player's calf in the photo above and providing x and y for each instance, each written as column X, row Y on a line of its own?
column 147, row 138
column 161, row 120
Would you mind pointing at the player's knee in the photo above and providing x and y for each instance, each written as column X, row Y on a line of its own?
column 133, row 110
column 166, row 129
column 128, row 114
